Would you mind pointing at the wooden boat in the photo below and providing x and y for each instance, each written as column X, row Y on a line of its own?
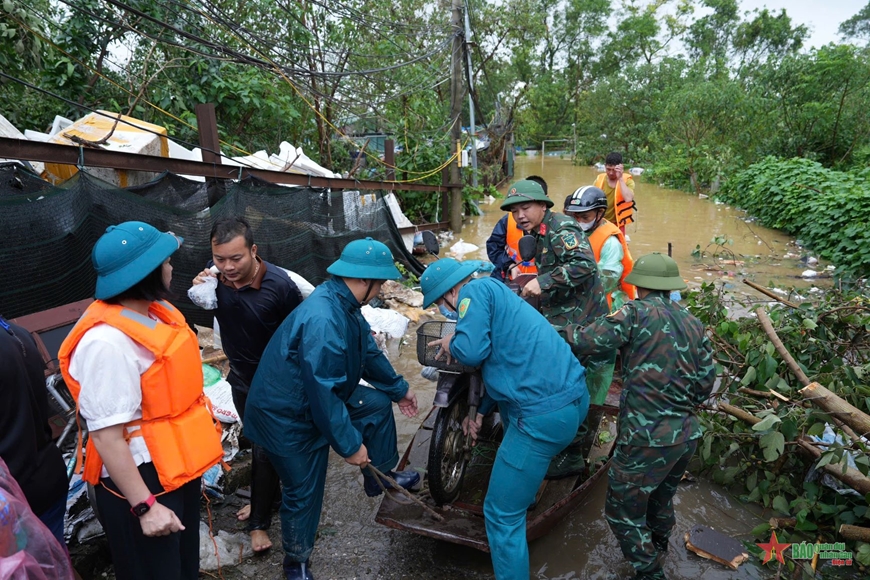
column 463, row 516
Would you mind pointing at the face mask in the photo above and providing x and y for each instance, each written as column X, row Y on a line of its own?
column 586, row 226
column 448, row 314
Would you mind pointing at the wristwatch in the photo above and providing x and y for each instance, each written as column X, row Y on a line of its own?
column 140, row 509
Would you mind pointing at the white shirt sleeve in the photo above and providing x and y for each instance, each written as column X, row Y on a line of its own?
column 108, row 365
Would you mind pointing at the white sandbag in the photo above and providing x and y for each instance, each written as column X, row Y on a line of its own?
column 305, row 287
column 461, row 247
column 221, row 396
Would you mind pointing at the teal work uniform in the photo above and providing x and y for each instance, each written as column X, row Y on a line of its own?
column 571, row 289
column 306, row 397
column 511, row 342
column 668, row 370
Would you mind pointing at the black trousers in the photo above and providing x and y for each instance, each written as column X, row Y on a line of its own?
column 138, row 557
column 265, row 484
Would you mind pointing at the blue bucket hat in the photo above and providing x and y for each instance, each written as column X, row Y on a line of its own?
column 442, row 275
column 367, row 259
column 127, row 253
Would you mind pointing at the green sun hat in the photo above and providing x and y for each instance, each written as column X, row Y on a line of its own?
column 127, row 253
column 442, row 275
column 366, row 259
column 656, row 272
column 524, row 191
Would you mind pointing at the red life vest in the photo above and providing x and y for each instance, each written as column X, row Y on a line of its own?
column 177, row 424
column 513, row 247
column 597, row 238
column 623, row 210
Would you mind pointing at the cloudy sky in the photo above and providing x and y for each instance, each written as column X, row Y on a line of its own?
column 823, row 17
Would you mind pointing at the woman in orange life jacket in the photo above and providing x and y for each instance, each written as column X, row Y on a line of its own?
column 587, row 206
column 133, row 366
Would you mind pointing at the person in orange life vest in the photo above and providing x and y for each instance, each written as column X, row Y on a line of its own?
column 619, row 189
column 133, row 366
column 587, row 206
column 502, row 247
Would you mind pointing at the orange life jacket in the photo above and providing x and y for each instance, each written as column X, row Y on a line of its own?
column 597, row 238
column 177, row 424
column 623, row 210
column 513, row 247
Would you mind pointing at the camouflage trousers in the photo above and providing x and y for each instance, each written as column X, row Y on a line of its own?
column 639, row 506
column 599, row 375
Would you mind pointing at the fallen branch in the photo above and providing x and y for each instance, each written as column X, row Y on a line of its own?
column 855, row 533
column 768, row 293
column 744, row 416
column 792, row 364
column 851, row 477
column 798, row 372
column 832, row 404
column 764, row 394
column 782, row 523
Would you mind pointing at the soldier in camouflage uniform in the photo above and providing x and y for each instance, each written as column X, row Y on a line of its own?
column 569, row 285
column 668, row 370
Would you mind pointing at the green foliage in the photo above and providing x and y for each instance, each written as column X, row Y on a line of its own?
column 762, row 462
column 826, row 209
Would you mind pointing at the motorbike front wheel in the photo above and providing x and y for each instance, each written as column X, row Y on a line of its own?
column 447, row 457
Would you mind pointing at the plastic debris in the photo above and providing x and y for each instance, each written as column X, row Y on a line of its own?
column 461, row 248
column 222, row 549
column 809, row 274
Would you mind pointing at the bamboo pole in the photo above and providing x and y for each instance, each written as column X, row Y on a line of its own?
column 214, row 359
column 831, row 403
column 855, row 533
column 768, row 293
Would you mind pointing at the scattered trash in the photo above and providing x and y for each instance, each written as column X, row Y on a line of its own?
column 220, row 394
column 392, row 290
column 461, row 248
column 222, row 549
column 638, row 171
column 387, row 322
column 809, row 274
column 830, row 438
column 708, row 543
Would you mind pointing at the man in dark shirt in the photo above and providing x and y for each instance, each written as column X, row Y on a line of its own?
column 25, row 440
column 254, row 297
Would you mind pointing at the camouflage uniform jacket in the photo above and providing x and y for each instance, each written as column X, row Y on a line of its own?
column 571, row 290
column 667, row 368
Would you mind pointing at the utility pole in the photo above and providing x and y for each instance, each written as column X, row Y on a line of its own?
column 456, row 95
column 471, row 100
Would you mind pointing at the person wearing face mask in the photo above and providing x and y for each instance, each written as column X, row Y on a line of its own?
column 306, row 396
column 587, row 206
column 569, row 287
column 541, row 411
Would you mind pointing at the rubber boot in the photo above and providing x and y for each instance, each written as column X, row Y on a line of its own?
column 296, row 570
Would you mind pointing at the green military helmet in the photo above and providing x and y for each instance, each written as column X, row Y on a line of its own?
column 366, row 259
column 442, row 275
column 656, row 272
column 524, row 191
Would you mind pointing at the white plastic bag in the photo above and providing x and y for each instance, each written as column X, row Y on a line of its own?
column 305, row 287
column 205, row 295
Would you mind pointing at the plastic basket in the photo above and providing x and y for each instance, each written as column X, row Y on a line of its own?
column 433, row 330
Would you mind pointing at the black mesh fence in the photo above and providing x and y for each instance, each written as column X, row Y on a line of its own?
column 48, row 232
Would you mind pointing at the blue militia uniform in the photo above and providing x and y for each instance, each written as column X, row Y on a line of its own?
column 541, row 409
column 306, row 397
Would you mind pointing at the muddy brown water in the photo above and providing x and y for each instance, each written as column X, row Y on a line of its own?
column 351, row 545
